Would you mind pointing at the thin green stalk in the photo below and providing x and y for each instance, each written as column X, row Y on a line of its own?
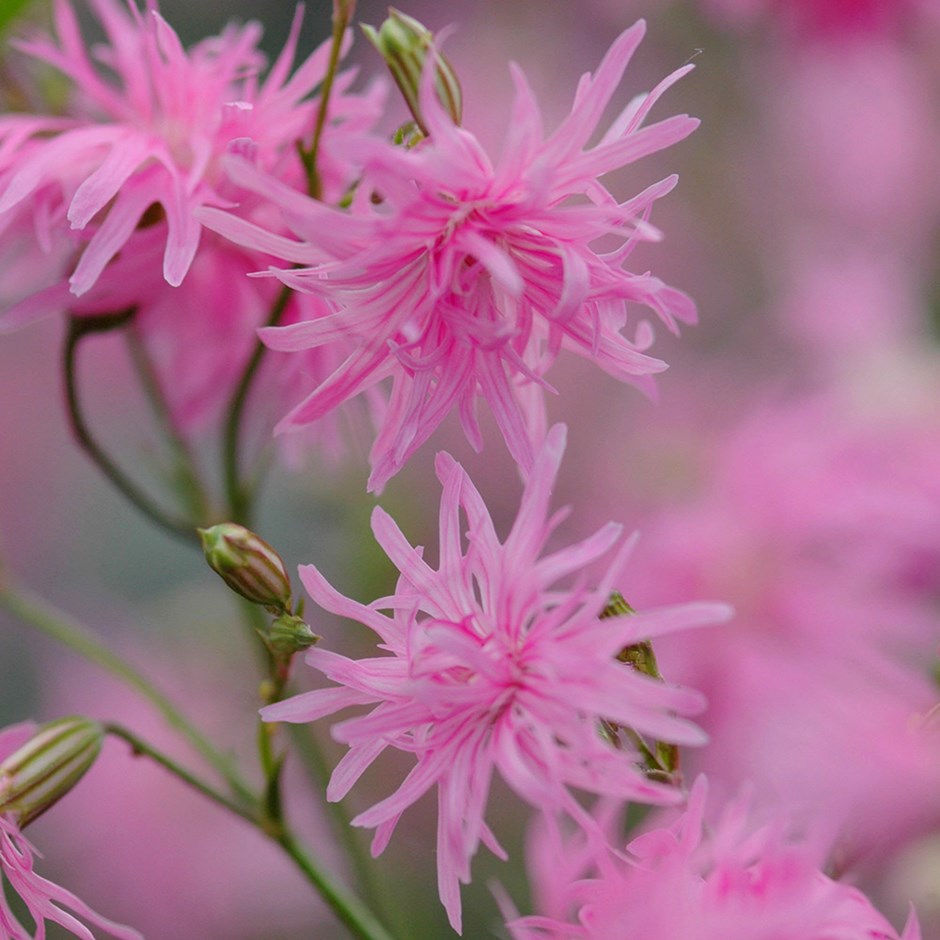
column 347, row 907
column 41, row 615
column 186, row 465
column 350, row 910
column 78, row 329
column 238, row 494
column 318, row 772
column 271, row 765
column 141, row 747
column 341, row 17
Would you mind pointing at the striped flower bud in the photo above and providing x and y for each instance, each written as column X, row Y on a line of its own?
column 404, row 43
column 248, row 565
column 47, row 766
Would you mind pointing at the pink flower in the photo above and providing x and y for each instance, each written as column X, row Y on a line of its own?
column 733, row 881
column 819, row 520
column 145, row 131
column 460, row 277
column 835, row 18
column 493, row 668
column 44, row 900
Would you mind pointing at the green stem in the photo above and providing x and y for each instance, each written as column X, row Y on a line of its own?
column 238, row 494
column 59, row 626
column 271, row 765
column 347, row 907
column 318, row 772
column 186, row 468
column 350, row 910
column 309, row 157
column 141, row 747
column 78, row 329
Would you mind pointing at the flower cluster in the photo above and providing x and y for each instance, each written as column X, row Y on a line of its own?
column 242, row 223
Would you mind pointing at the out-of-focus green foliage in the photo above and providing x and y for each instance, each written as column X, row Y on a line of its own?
column 10, row 10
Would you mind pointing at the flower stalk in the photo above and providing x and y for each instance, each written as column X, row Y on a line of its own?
column 238, row 493
column 42, row 616
column 79, row 328
column 342, row 16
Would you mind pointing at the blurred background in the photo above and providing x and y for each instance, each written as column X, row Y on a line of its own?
column 791, row 467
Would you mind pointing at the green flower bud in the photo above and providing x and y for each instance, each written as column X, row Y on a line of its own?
column 248, row 565
column 289, row 634
column 616, row 606
column 639, row 655
column 47, row 766
column 404, row 43
column 660, row 758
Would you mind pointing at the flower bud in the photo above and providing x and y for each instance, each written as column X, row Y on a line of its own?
column 638, row 655
column 248, row 565
column 616, row 606
column 289, row 634
column 47, row 766
column 404, row 43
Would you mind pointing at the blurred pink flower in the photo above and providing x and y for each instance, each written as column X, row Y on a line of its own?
column 145, row 130
column 820, row 521
column 464, row 278
column 689, row 881
column 832, row 18
column 819, row 517
column 492, row 668
column 44, row 900
column 850, row 137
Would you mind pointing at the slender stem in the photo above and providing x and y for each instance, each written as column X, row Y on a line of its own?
column 271, row 765
column 350, row 910
column 186, row 465
column 347, row 907
column 318, row 772
column 141, row 747
column 59, row 626
column 237, row 493
column 341, row 16
column 270, row 754
column 78, row 329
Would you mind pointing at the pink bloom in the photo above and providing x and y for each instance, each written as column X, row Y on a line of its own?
column 493, row 668
column 733, row 881
column 140, row 150
column 143, row 135
column 466, row 277
column 835, row 18
column 819, row 520
column 44, row 900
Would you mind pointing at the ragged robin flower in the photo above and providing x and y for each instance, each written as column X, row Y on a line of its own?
column 490, row 667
